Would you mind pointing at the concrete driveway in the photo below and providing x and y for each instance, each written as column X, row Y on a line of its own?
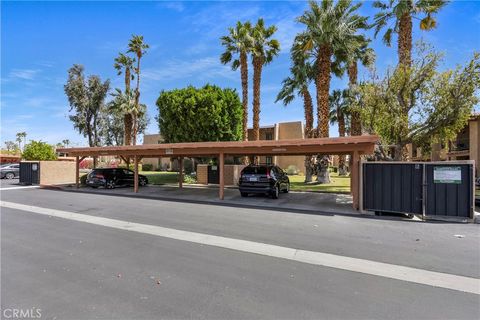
column 302, row 201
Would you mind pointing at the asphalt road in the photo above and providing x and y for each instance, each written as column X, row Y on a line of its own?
column 77, row 270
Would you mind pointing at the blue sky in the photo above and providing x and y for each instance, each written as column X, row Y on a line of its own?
column 41, row 40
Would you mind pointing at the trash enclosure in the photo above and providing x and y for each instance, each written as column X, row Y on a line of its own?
column 423, row 188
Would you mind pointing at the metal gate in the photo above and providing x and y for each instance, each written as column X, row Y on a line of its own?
column 213, row 174
column 29, row 173
column 422, row 188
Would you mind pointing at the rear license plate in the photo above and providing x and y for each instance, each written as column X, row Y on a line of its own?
column 253, row 179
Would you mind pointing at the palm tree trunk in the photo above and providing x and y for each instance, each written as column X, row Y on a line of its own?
column 244, row 76
column 257, row 77
column 127, row 123
column 405, row 40
column 342, row 169
column 323, row 89
column 308, row 106
column 137, row 99
column 127, row 79
column 356, row 124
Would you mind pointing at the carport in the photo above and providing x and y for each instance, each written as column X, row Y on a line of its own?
column 354, row 146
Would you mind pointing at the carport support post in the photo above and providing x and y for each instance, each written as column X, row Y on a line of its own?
column 354, row 179
column 77, row 172
column 135, row 177
column 221, row 173
column 180, row 172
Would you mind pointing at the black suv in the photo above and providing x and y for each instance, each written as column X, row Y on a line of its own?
column 267, row 179
column 113, row 177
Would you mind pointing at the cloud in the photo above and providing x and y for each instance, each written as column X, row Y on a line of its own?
column 174, row 5
column 204, row 68
column 24, row 74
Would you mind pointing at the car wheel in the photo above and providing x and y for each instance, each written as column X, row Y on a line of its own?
column 276, row 192
column 143, row 182
column 244, row 194
column 94, row 187
column 110, row 184
column 287, row 189
column 10, row 175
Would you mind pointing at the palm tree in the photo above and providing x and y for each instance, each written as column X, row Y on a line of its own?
column 239, row 42
column 301, row 73
column 66, row 142
column 339, row 113
column 328, row 26
column 125, row 63
column 263, row 51
column 402, row 12
column 138, row 47
column 359, row 52
column 331, row 29
column 20, row 137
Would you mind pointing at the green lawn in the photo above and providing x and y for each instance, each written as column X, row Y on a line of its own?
column 477, row 192
column 156, row 177
column 338, row 184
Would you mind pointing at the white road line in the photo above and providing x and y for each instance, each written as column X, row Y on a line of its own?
column 420, row 276
column 22, row 187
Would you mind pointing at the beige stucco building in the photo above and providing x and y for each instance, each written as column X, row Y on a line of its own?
column 157, row 163
column 466, row 146
column 282, row 131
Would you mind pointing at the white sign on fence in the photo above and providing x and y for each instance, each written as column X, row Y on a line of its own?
column 447, row 175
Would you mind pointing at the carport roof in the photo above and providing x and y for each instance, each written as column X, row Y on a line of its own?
column 340, row 145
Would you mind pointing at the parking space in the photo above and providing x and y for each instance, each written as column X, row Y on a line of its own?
column 307, row 201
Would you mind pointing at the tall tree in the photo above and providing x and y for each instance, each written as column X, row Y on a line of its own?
column 263, row 51
column 330, row 29
column 420, row 104
column 239, row 42
column 124, row 64
column 138, row 47
column 301, row 73
column 86, row 98
column 402, row 12
column 66, row 143
column 339, row 113
column 329, row 26
column 359, row 52
column 21, row 137
column 11, row 146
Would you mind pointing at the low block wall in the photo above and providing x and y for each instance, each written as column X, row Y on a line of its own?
column 231, row 174
column 57, row 172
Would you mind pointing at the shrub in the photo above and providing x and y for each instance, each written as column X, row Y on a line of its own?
column 83, row 180
column 147, row 167
column 38, row 150
column 292, row 170
column 189, row 178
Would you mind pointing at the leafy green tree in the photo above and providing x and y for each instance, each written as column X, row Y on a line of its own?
column 420, row 104
column 138, row 47
column 86, row 98
column 38, row 150
column 339, row 113
column 239, row 42
column 11, row 147
column 124, row 63
column 402, row 12
column 205, row 114
column 263, row 51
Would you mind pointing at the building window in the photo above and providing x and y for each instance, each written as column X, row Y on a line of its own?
column 268, row 160
column 268, row 136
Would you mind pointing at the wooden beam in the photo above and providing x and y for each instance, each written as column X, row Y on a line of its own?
column 180, row 172
column 135, row 178
column 77, row 172
column 355, row 178
column 221, row 162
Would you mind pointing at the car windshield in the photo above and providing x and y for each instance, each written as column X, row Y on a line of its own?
column 255, row 170
column 5, row 165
